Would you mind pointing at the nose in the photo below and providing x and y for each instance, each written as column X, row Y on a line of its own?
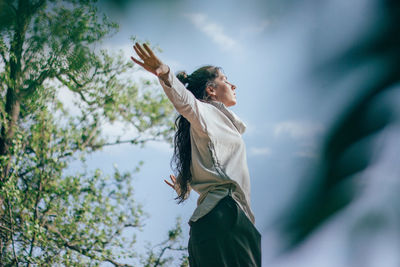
column 233, row 87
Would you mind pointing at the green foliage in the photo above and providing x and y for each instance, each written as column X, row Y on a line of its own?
column 50, row 215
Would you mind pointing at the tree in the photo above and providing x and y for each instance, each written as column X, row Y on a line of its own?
column 49, row 216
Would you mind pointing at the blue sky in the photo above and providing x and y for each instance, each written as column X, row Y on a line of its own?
column 268, row 57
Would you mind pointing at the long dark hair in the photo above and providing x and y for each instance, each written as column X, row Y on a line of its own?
column 196, row 83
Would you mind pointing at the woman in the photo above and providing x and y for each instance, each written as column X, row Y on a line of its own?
column 210, row 158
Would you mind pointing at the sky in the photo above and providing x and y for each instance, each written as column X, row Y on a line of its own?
column 268, row 55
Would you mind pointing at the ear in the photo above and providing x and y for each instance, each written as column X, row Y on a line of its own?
column 210, row 91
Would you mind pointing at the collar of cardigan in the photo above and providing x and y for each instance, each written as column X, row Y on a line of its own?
column 239, row 124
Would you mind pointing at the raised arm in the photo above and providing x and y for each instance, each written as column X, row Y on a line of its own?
column 182, row 99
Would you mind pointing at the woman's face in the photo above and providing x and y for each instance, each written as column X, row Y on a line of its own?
column 224, row 91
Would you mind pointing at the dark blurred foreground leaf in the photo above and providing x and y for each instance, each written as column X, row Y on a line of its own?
column 333, row 181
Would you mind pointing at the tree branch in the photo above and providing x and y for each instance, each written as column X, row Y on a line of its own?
column 2, row 52
column 160, row 256
column 118, row 264
column 81, row 85
column 85, row 252
column 12, row 228
column 5, row 228
column 118, row 231
column 73, row 89
column 90, row 137
column 39, row 81
column 36, row 214
column 132, row 141
column 36, row 6
column 136, row 140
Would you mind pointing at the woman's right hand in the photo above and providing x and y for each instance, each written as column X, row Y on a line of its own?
column 150, row 62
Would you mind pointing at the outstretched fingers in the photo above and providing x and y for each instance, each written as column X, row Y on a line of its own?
column 148, row 60
column 148, row 49
column 173, row 179
column 168, row 183
column 137, row 61
column 140, row 51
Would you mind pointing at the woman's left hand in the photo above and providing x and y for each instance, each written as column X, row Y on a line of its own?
column 173, row 185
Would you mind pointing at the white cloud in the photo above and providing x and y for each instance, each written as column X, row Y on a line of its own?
column 256, row 28
column 260, row 151
column 304, row 132
column 212, row 30
column 297, row 129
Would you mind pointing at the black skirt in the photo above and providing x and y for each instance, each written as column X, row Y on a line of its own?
column 224, row 237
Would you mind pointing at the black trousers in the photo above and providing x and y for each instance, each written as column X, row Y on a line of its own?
column 224, row 237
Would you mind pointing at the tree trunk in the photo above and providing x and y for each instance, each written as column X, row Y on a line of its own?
column 13, row 105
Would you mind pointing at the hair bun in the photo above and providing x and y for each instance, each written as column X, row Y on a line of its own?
column 183, row 77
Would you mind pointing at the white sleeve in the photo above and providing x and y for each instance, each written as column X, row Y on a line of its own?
column 183, row 100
